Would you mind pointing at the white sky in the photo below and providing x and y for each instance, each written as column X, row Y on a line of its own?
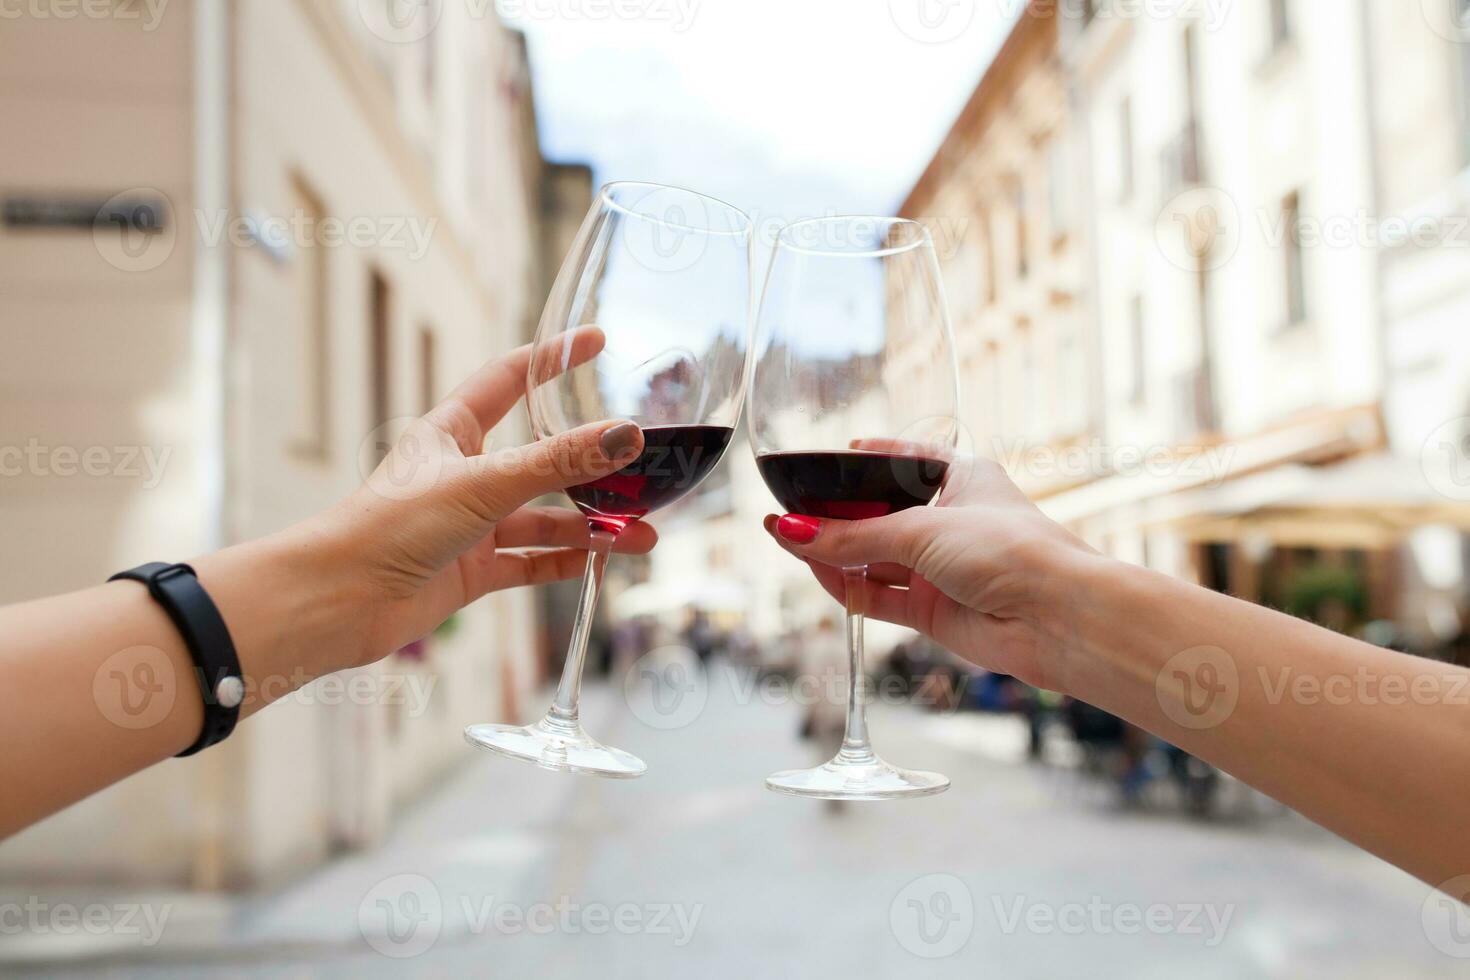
column 785, row 108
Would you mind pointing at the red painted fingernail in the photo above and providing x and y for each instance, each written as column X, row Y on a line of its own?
column 798, row 529
column 618, row 440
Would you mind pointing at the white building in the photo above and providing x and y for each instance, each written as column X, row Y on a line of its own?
column 1259, row 373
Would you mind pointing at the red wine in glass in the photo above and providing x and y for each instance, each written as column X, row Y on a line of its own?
column 674, row 460
column 648, row 320
column 853, row 485
column 853, row 415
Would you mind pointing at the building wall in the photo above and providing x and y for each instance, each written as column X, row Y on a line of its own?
column 93, row 354
column 1009, row 180
column 326, row 120
column 1421, row 103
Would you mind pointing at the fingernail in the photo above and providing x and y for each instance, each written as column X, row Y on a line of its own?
column 618, row 440
column 798, row 529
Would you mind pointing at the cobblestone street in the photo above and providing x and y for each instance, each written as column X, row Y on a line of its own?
column 696, row 870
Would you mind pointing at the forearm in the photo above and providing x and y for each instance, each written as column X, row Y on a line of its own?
column 100, row 685
column 1363, row 740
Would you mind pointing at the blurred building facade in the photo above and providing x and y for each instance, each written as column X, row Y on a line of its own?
column 315, row 224
column 1237, row 408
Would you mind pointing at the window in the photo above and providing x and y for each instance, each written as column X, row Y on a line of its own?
column 987, row 241
column 1294, row 261
column 1280, row 24
column 1072, row 381
column 1030, row 382
column 310, row 435
column 1137, row 327
column 1023, row 245
column 1125, row 149
column 379, row 375
column 428, row 376
column 991, row 395
column 1059, row 188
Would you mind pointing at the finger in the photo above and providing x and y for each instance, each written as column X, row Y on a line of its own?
column 880, row 601
column 889, row 573
column 896, row 539
column 562, row 354
column 484, row 398
column 498, row 483
column 975, row 479
column 559, row 527
column 517, row 568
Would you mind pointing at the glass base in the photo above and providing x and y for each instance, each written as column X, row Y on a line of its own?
column 862, row 778
column 562, row 746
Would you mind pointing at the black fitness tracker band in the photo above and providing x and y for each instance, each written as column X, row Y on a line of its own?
column 176, row 588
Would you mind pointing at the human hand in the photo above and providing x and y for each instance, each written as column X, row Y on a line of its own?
column 984, row 574
column 442, row 522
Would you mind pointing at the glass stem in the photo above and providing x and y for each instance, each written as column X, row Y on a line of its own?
column 562, row 717
column 855, row 748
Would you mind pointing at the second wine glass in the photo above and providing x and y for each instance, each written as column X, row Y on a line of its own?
column 852, row 416
column 648, row 320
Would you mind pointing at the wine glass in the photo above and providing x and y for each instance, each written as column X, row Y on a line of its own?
column 852, row 416
column 648, row 320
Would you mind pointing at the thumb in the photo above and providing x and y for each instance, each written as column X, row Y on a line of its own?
column 898, row 538
column 505, row 480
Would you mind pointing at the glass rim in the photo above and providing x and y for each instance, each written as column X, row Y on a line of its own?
column 606, row 193
column 922, row 240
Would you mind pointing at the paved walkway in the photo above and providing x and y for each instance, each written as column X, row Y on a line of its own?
column 696, row 871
